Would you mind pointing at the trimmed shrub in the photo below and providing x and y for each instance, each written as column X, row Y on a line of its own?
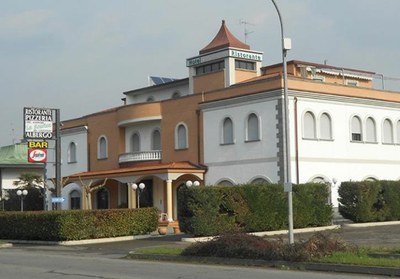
column 362, row 201
column 391, row 199
column 77, row 224
column 205, row 211
column 310, row 205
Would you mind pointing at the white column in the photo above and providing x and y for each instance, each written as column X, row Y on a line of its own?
column 169, row 200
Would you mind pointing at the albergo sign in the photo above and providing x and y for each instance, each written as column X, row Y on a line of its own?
column 38, row 123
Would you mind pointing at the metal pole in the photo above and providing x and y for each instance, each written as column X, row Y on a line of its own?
column 22, row 203
column 138, row 197
column 58, row 156
column 286, row 134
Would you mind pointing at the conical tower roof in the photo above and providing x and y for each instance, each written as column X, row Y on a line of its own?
column 223, row 39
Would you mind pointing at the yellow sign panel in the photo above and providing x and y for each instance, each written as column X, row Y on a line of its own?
column 38, row 144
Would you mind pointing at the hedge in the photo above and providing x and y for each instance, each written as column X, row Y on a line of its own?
column 216, row 210
column 77, row 224
column 370, row 201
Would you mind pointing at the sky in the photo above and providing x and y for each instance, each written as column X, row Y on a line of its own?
column 81, row 55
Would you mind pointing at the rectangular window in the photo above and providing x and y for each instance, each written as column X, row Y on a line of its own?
column 245, row 65
column 210, row 68
column 355, row 137
column 350, row 82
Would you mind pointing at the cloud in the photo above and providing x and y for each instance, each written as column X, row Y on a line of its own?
column 24, row 24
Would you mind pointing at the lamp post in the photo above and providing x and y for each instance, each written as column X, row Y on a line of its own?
column 190, row 183
column 286, row 45
column 139, row 188
column 22, row 194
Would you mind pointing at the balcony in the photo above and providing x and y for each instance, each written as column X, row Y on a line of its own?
column 140, row 156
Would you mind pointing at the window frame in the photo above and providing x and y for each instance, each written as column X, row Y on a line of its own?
column 177, row 136
column 71, row 153
column 321, row 128
column 100, row 155
column 223, row 132
column 356, row 137
column 153, row 141
column 314, row 123
column 258, row 127
column 368, row 132
column 391, row 135
column 132, row 143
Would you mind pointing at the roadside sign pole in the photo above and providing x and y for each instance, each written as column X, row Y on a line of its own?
column 58, row 157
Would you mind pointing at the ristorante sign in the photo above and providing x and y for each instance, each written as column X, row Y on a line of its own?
column 38, row 123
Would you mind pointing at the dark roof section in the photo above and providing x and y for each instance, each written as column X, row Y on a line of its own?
column 224, row 39
column 322, row 66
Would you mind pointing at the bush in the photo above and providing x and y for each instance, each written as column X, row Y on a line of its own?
column 205, row 211
column 370, row 201
column 77, row 224
column 244, row 246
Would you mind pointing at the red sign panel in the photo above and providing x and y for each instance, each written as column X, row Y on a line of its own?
column 37, row 155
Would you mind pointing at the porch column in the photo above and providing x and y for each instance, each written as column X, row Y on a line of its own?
column 169, row 200
column 131, row 197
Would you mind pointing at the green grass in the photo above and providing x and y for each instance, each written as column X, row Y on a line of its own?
column 160, row 250
column 361, row 257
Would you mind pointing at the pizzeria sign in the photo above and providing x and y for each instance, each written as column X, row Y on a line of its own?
column 38, row 123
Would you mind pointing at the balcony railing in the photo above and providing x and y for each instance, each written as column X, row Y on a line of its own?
column 140, row 156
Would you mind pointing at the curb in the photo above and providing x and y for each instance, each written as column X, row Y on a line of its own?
column 325, row 267
column 81, row 242
column 269, row 233
column 372, row 224
column 6, row 245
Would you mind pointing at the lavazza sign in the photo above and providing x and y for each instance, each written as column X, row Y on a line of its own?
column 38, row 123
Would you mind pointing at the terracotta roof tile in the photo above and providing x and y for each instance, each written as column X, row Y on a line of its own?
column 223, row 39
column 156, row 168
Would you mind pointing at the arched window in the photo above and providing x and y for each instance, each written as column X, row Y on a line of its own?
column 309, row 126
column 135, row 143
column 260, row 180
column 227, row 131
column 150, row 99
column 176, row 94
column 156, row 140
column 74, row 200
column 370, row 129
column 325, row 127
column 225, row 182
column 102, row 148
column 253, row 127
column 356, row 129
column 387, row 131
column 398, row 131
column 181, row 137
column 318, row 179
column 71, row 156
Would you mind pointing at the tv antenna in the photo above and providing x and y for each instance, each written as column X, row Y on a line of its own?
column 246, row 31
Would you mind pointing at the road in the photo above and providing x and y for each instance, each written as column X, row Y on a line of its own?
column 79, row 263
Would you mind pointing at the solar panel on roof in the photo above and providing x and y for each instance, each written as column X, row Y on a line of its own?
column 160, row 80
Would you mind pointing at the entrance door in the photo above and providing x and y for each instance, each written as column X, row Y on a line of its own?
column 146, row 195
column 102, row 198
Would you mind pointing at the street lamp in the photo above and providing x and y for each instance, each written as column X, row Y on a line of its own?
column 140, row 188
column 2, row 200
column 22, row 194
column 190, row 183
column 286, row 45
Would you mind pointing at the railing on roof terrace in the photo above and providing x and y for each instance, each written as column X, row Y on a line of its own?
column 140, row 156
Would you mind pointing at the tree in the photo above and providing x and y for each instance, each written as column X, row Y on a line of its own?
column 34, row 184
column 29, row 181
column 88, row 189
